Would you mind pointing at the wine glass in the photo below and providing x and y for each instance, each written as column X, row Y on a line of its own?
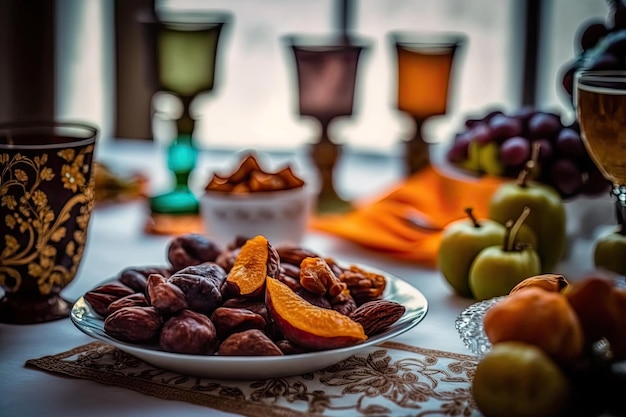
column 600, row 100
column 326, row 71
column 424, row 71
column 183, row 49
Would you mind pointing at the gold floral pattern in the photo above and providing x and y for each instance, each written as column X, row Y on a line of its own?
column 34, row 226
column 389, row 379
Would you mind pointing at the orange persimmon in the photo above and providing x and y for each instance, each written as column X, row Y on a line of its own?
column 539, row 317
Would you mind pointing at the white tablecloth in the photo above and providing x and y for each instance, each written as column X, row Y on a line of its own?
column 117, row 240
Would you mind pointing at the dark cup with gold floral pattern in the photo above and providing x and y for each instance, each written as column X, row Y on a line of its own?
column 46, row 198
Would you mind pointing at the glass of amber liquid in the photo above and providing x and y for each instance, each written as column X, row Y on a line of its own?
column 600, row 98
column 424, row 76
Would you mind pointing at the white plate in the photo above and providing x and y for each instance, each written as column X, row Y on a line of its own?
column 259, row 367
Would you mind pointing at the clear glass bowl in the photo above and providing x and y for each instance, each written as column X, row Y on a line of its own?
column 469, row 325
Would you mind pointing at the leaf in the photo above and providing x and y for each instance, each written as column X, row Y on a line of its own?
column 34, row 269
column 11, row 245
column 21, row 175
column 58, row 234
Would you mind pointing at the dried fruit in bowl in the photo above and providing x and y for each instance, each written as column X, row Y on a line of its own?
column 250, row 177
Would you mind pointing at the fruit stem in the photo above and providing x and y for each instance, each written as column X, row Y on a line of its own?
column 470, row 214
column 512, row 229
column 522, row 178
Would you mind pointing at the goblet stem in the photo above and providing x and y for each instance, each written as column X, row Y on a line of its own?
column 417, row 153
column 182, row 155
column 619, row 192
column 325, row 155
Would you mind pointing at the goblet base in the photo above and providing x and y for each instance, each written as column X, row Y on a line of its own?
column 18, row 309
column 177, row 202
column 332, row 203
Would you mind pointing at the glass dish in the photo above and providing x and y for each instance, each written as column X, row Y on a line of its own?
column 469, row 325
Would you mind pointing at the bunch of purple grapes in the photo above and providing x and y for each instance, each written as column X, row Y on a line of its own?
column 599, row 45
column 563, row 161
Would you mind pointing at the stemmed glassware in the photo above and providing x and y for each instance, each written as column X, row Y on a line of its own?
column 183, row 49
column 600, row 100
column 424, row 72
column 326, row 73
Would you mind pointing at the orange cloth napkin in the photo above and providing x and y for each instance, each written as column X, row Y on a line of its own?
column 430, row 195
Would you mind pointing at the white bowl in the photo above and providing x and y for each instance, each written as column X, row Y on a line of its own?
column 281, row 216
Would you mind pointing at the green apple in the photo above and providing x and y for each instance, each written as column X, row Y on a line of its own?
column 547, row 217
column 610, row 252
column 517, row 379
column 462, row 240
column 497, row 269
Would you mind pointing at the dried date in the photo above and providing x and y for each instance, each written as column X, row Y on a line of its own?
column 134, row 324
column 165, row 296
column 102, row 296
column 249, row 343
column 188, row 332
column 134, row 300
column 377, row 315
column 256, row 306
column 233, row 320
column 294, row 255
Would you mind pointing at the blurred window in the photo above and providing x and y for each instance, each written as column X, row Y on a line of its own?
column 254, row 104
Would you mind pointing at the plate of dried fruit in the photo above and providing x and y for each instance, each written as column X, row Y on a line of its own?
column 286, row 362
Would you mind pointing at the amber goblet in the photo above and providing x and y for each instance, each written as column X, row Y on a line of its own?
column 424, row 75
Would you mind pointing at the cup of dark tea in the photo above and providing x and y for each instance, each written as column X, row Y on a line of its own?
column 46, row 199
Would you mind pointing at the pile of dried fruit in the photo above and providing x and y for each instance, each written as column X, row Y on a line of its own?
column 250, row 177
column 250, row 299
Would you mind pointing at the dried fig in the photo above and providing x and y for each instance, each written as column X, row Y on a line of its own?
column 188, row 332
column 191, row 249
column 165, row 296
column 134, row 324
column 202, row 286
column 249, row 343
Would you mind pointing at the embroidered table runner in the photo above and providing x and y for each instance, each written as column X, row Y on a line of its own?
column 384, row 380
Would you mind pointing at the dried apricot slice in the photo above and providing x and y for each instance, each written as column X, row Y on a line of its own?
column 247, row 276
column 306, row 325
